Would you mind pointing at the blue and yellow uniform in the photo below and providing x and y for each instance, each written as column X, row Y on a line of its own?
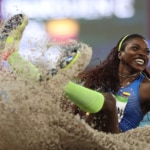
column 132, row 114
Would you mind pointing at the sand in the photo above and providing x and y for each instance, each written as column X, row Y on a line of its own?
column 35, row 116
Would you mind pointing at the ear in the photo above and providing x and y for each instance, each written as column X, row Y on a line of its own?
column 119, row 55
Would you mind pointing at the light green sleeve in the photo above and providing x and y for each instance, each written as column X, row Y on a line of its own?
column 20, row 65
column 86, row 99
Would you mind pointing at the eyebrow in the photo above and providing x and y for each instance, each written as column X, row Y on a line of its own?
column 139, row 45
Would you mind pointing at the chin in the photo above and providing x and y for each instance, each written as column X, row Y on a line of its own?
column 140, row 69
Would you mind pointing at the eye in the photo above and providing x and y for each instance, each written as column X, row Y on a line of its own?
column 147, row 51
column 135, row 48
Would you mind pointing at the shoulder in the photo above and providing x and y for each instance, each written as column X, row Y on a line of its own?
column 144, row 90
column 145, row 83
column 145, row 86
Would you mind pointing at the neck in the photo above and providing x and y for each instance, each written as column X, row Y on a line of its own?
column 127, row 79
column 129, row 75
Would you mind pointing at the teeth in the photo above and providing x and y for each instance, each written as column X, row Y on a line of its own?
column 140, row 61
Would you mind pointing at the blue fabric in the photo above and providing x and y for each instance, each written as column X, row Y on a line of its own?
column 132, row 113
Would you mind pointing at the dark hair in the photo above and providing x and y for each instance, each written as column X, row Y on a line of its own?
column 104, row 77
column 123, row 41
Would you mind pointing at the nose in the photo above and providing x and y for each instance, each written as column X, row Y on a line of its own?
column 144, row 53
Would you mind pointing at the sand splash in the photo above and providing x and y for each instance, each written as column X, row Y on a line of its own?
column 32, row 117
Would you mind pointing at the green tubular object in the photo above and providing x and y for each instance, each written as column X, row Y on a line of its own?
column 86, row 99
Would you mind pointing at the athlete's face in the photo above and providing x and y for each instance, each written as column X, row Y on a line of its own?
column 135, row 54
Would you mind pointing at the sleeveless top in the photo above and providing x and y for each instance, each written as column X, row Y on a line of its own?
column 128, row 104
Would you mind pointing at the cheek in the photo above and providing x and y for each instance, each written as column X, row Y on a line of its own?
column 148, row 60
column 128, row 55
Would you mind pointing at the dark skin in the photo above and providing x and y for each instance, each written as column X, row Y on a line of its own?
column 134, row 59
column 128, row 63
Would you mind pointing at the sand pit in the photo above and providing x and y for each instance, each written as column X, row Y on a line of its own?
column 32, row 117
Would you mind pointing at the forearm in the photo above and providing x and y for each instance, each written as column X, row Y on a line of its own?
column 110, row 110
column 86, row 99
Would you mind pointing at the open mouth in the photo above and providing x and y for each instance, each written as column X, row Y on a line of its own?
column 139, row 61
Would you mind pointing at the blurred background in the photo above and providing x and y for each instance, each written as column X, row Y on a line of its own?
column 98, row 23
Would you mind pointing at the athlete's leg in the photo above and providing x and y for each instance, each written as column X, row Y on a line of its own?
column 10, row 37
